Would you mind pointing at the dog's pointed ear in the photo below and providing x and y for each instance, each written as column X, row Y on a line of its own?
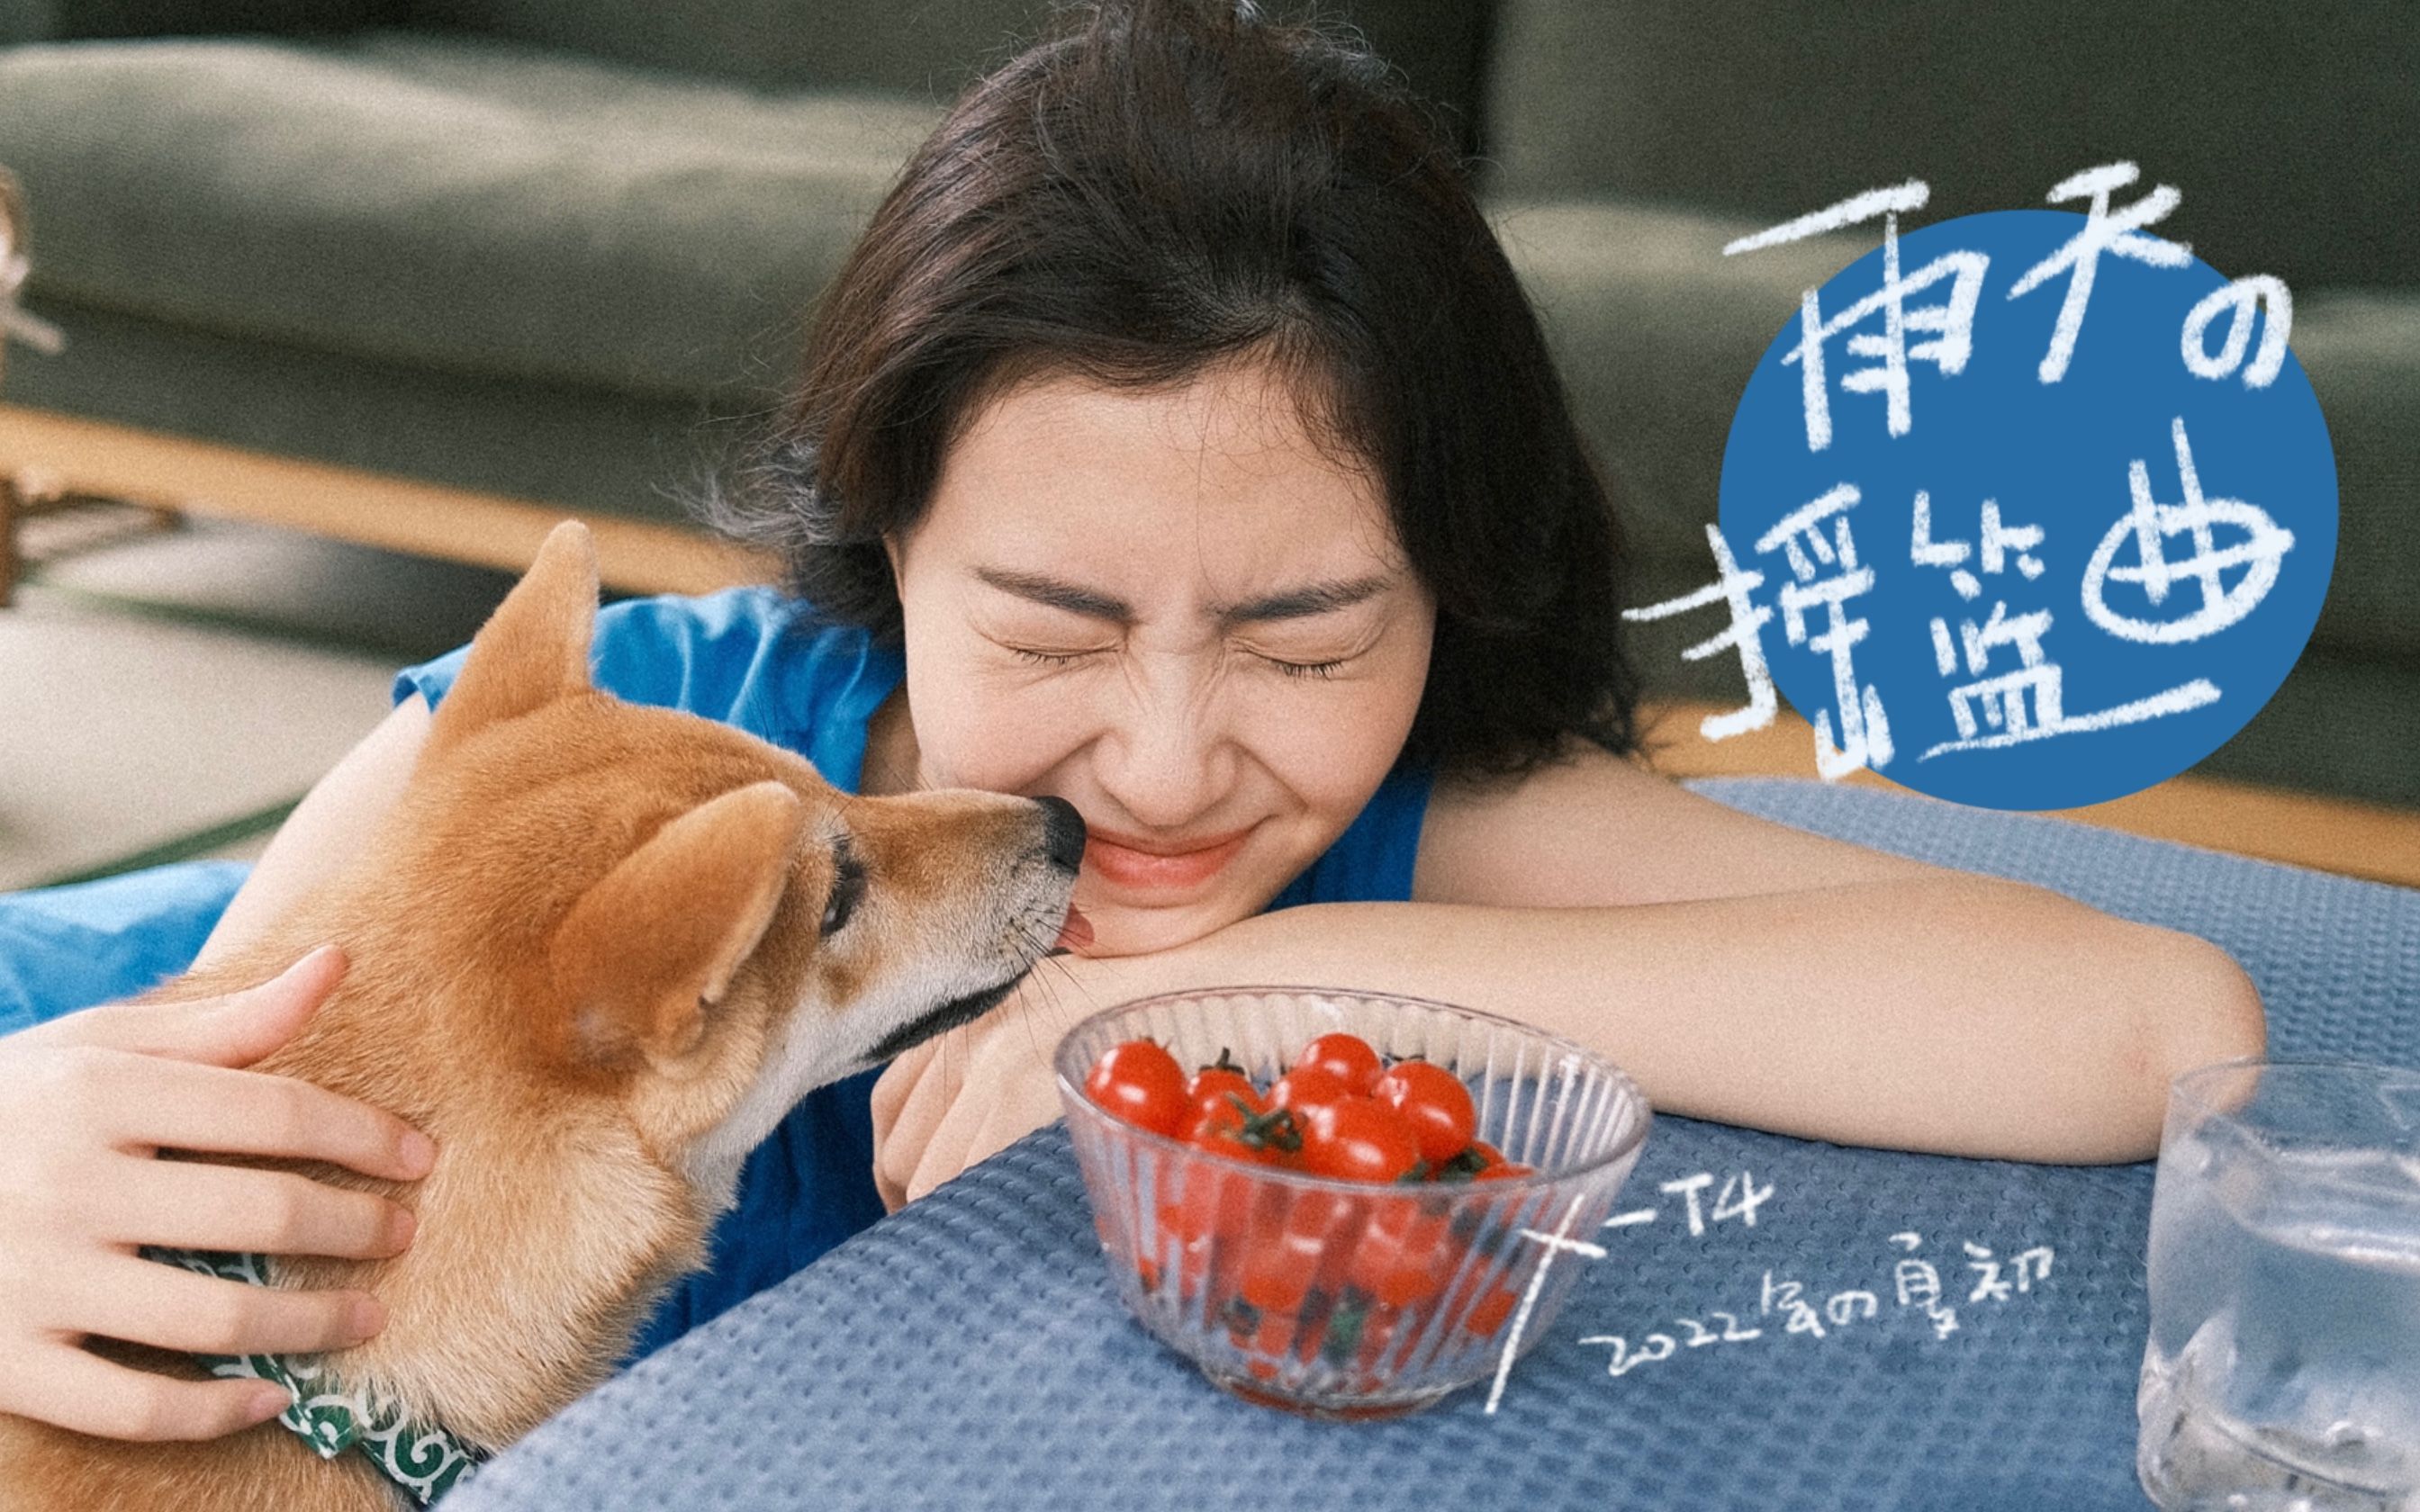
column 533, row 649
column 646, row 952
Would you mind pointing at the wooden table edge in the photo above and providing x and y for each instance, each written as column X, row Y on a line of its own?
column 2343, row 836
column 375, row 509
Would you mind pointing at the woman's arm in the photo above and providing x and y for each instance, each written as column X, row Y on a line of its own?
column 327, row 830
column 1968, row 999
column 1596, row 829
column 1966, row 1017
column 1742, row 970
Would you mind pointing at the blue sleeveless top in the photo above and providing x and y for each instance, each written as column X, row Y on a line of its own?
column 749, row 657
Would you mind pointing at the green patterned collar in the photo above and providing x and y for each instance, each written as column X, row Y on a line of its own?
column 425, row 1460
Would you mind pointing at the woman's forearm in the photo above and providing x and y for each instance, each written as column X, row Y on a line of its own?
column 1971, row 1017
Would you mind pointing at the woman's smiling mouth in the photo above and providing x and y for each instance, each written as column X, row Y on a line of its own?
column 1131, row 864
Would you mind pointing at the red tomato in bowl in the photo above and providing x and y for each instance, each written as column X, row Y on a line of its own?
column 1232, row 1128
column 1405, row 1256
column 1489, row 1315
column 1348, row 1056
column 1358, row 1139
column 1139, row 1081
column 1214, row 1082
column 1434, row 1103
column 1487, row 1163
column 1296, row 1240
column 1211, row 1223
column 1306, row 1087
column 1215, row 1204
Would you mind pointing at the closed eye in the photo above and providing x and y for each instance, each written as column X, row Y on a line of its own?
column 847, row 887
column 1321, row 670
column 1306, row 669
column 1048, row 658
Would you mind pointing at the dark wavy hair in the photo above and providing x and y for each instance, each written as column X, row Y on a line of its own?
column 1161, row 186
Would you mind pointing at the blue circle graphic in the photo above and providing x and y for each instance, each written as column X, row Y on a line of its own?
column 2038, row 594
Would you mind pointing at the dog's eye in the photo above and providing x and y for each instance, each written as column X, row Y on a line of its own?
column 848, row 886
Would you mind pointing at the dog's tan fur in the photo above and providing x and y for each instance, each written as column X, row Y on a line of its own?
column 585, row 960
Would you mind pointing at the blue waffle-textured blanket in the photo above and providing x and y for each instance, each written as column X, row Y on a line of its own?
column 968, row 1352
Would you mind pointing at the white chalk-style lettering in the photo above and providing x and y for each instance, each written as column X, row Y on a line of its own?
column 2149, row 523
column 1865, row 728
column 1732, row 588
column 1951, row 322
column 2119, row 235
column 2237, row 299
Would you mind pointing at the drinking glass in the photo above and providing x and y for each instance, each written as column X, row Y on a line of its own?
column 2283, row 1373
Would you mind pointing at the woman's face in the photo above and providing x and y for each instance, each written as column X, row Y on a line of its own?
column 1173, row 612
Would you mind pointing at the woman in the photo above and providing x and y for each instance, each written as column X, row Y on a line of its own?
column 1178, row 442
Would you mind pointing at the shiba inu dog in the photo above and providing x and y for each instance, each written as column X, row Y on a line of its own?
column 597, row 952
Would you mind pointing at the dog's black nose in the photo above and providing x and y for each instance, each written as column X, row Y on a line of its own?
column 1062, row 831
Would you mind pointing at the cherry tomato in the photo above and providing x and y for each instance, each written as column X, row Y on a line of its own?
column 1216, row 1082
column 1405, row 1256
column 1296, row 1248
column 1482, row 1297
column 1139, row 1081
column 1216, row 1121
column 1230, row 1117
column 1228, row 1096
column 1348, row 1056
column 1356, row 1139
column 1211, row 1224
column 1491, row 1312
column 1217, row 1204
column 1281, row 1268
column 1344, row 1218
column 1434, row 1103
column 1306, row 1087
column 1232, row 1128
column 1504, row 1171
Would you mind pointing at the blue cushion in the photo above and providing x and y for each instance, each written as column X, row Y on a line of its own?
column 969, row 1352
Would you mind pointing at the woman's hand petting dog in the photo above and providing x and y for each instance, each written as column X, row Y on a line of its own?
column 968, row 1094
column 86, row 1102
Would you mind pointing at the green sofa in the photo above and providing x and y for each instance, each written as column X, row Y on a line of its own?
column 563, row 251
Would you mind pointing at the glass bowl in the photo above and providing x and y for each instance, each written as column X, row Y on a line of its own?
column 1342, row 1299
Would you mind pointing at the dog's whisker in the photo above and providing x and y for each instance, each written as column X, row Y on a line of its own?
column 1043, row 988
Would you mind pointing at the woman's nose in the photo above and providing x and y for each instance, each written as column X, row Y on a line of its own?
column 1166, row 759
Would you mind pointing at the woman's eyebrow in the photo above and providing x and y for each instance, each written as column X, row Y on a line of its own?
column 1309, row 600
column 1057, row 593
column 1312, row 598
